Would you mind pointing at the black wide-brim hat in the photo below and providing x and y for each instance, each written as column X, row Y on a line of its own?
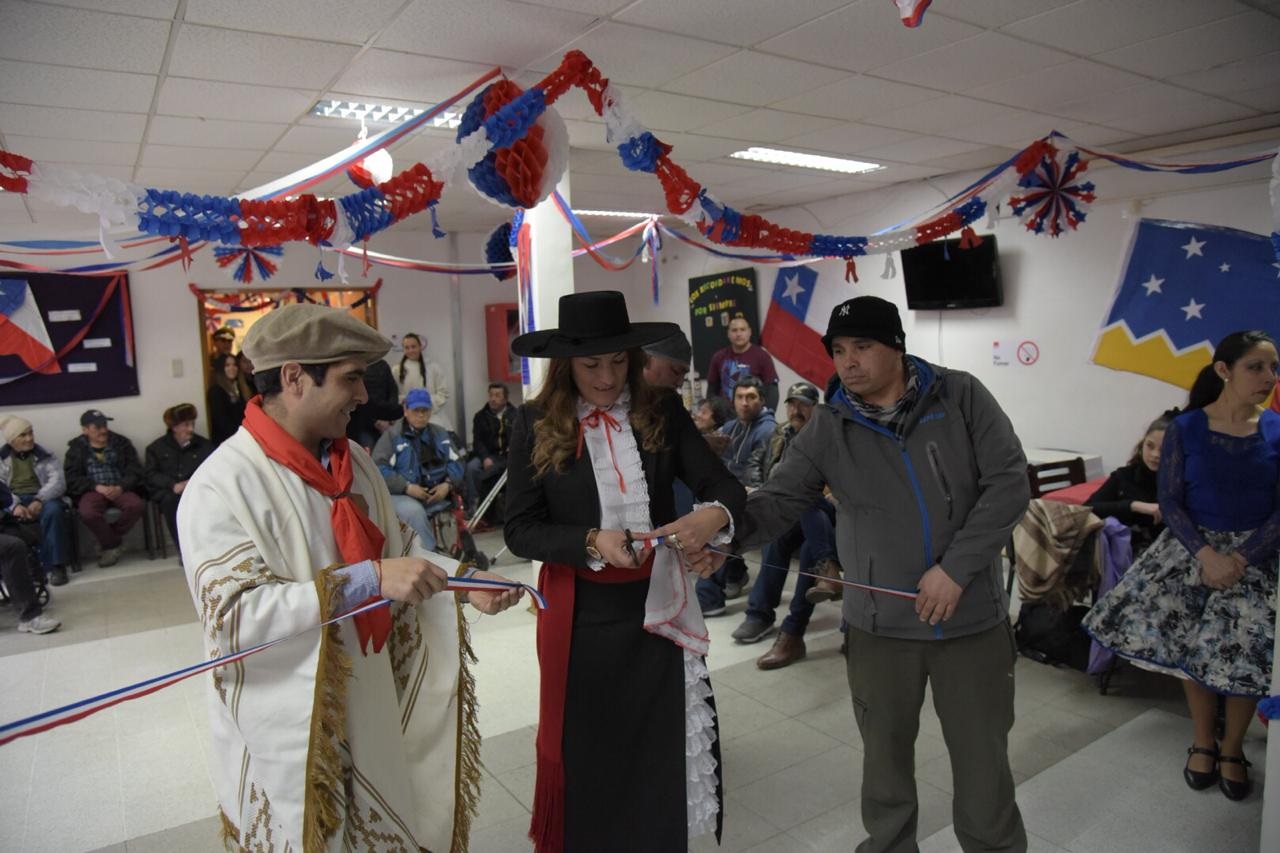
column 591, row 324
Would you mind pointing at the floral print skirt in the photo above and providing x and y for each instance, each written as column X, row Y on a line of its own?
column 1161, row 615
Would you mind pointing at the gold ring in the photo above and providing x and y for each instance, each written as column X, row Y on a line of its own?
column 676, row 543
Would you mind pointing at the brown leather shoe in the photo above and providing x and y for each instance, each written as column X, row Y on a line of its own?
column 824, row 590
column 787, row 649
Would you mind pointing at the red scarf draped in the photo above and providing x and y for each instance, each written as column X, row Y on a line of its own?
column 358, row 538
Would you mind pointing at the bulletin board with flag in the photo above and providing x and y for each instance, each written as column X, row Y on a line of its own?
column 65, row 338
column 1185, row 286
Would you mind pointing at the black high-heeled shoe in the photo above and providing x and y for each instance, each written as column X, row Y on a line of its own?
column 1231, row 788
column 1198, row 780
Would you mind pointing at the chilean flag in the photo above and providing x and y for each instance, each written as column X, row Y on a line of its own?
column 797, row 320
column 22, row 331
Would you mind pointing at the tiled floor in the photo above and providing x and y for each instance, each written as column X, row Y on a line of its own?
column 1095, row 773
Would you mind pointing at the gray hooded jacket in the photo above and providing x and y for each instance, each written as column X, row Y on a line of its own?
column 949, row 492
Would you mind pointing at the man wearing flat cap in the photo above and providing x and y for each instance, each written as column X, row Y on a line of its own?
column 103, row 471
column 172, row 459
column 929, row 478
column 362, row 733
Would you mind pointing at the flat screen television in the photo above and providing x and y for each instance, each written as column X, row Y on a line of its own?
column 941, row 275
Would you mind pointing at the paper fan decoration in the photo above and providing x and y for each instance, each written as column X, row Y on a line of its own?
column 1055, row 198
column 241, row 261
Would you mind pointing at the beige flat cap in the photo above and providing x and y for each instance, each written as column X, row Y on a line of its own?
column 311, row 334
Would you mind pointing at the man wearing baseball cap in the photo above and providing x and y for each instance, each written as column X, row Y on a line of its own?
column 103, row 471
column 929, row 478
column 363, row 729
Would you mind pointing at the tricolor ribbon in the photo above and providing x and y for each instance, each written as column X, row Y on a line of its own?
column 58, row 717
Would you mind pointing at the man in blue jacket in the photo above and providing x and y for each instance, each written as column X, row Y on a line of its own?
column 929, row 479
column 420, row 464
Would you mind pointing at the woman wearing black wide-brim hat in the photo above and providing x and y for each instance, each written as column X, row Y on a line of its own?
column 628, row 747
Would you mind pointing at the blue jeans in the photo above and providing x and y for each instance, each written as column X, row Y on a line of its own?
column 54, row 550
column 766, row 592
column 476, row 477
column 414, row 513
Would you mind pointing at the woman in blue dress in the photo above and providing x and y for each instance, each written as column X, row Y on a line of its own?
column 1200, row 602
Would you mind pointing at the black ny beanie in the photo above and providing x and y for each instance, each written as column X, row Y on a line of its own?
column 866, row 317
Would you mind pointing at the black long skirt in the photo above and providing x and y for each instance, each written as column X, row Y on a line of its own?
column 624, row 728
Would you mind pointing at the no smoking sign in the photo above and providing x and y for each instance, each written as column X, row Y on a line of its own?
column 1028, row 352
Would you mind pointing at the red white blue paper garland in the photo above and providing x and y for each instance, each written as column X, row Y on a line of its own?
column 511, row 156
column 242, row 262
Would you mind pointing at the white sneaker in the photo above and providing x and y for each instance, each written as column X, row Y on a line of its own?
column 40, row 625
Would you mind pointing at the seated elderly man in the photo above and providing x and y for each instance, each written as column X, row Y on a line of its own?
column 34, row 478
column 420, row 464
column 16, row 572
column 172, row 459
column 103, row 471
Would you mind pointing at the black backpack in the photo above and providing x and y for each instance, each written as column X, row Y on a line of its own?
column 1049, row 635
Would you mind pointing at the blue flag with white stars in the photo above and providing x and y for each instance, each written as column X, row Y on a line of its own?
column 1185, row 287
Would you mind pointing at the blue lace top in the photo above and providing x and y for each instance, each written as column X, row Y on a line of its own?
column 1222, row 482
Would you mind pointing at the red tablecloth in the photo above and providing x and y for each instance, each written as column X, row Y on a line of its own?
column 1076, row 494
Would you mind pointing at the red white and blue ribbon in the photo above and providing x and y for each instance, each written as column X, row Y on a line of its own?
column 75, row 711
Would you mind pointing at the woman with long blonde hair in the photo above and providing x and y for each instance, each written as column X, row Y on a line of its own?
column 628, row 747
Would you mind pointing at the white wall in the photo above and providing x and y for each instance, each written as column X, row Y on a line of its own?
column 1057, row 293
column 167, row 324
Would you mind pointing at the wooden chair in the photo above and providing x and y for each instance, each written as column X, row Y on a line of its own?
column 1044, row 478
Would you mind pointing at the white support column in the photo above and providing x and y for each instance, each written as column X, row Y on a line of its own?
column 551, row 241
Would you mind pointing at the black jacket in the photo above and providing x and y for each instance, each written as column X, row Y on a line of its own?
column 167, row 463
column 491, row 432
column 1133, row 482
column 383, row 404
column 548, row 518
column 76, row 465
column 225, row 413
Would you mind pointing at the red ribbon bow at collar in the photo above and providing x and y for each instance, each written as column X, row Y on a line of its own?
column 594, row 420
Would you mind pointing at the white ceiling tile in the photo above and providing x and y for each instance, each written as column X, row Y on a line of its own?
column 588, row 134
column 576, row 105
column 994, row 13
column 642, row 57
column 980, row 158
column 754, row 78
column 71, row 124
column 921, row 149
column 1046, row 87
column 1240, row 76
column 307, row 139
column 583, row 161
column 184, row 157
column 1266, row 98
column 59, row 150
column 1092, row 134
column 496, row 32
column 857, row 97
column 329, row 20
column 416, row 79
column 421, row 146
column 895, row 173
column 181, row 96
column 739, row 22
column 1207, row 109
column 974, row 62
column 142, row 8
column 587, row 7
column 190, row 180
column 768, row 125
column 780, row 180
column 851, row 138
column 237, row 57
column 863, row 36
column 727, row 172
column 692, row 147
column 1016, row 127
column 1093, row 26
column 938, row 115
column 284, row 162
column 668, row 111
column 219, row 133
column 1199, row 48
column 61, row 36
column 49, row 85
column 1107, row 106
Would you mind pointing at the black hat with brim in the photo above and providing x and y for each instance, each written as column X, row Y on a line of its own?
column 591, row 323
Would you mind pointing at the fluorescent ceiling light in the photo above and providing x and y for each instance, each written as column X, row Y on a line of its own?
column 384, row 113
column 806, row 161
column 627, row 214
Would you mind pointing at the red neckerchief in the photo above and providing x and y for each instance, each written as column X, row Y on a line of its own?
column 358, row 538
column 593, row 420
